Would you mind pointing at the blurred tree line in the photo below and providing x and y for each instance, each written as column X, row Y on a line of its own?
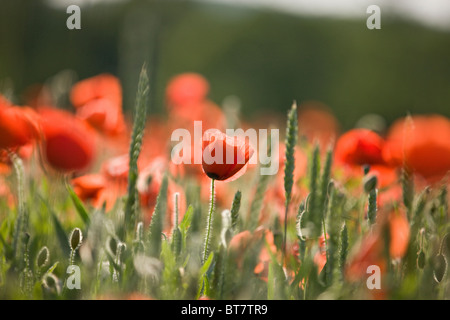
column 267, row 59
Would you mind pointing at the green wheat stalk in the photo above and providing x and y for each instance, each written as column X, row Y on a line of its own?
column 289, row 166
column 236, row 205
column 343, row 248
column 131, row 206
column 314, row 213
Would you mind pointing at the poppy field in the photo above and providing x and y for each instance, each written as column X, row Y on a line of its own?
column 93, row 205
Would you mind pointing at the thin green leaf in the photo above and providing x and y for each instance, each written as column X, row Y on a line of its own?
column 79, row 206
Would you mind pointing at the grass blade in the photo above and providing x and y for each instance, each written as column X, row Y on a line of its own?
column 81, row 210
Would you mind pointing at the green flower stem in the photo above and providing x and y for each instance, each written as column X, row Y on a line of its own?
column 209, row 223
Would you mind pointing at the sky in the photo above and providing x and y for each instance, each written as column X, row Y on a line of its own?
column 432, row 13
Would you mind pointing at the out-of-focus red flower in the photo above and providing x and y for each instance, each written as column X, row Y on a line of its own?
column 371, row 250
column 98, row 100
column 69, row 143
column 5, row 162
column 317, row 124
column 115, row 170
column 243, row 241
column 359, row 147
column 19, row 126
column 209, row 113
column 186, row 88
column 421, row 143
column 399, row 232
column 149, row 185
column 117, row 167
column 224, row 157
column 88, row 186
column 4, row 102
column 265, row 256
column 107, row 186
column 5, row 193
column 390, row 196
column 320, row 258
column 156, row 141
column 19, row 130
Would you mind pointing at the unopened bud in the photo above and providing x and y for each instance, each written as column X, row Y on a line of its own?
column 439, row 267
column 43, row 257
column 421, row 260
column 76, row 237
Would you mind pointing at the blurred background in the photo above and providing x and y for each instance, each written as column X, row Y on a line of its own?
column 266, row 53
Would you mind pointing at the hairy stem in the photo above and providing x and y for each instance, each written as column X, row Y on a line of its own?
column 209, row 223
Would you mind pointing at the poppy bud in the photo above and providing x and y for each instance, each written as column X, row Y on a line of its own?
column 43, row 257
column 421, row 259
column 75, row 239
column 439, row 267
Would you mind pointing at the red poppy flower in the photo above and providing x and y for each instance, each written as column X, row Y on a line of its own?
column 317, row 123
column 149, row 185
column 98, row 100
column 18, row 126
column 89, row 186
column 186, row 88
column 360, row 147
column 224, row 157
column 371, row 249
column 265, row 256
column 107, row 186
column 210, row 116
column 421, row 143
column 399, row 233
column 320, row 258
column 69, row 142
column 6, row 195
column 243, row 241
